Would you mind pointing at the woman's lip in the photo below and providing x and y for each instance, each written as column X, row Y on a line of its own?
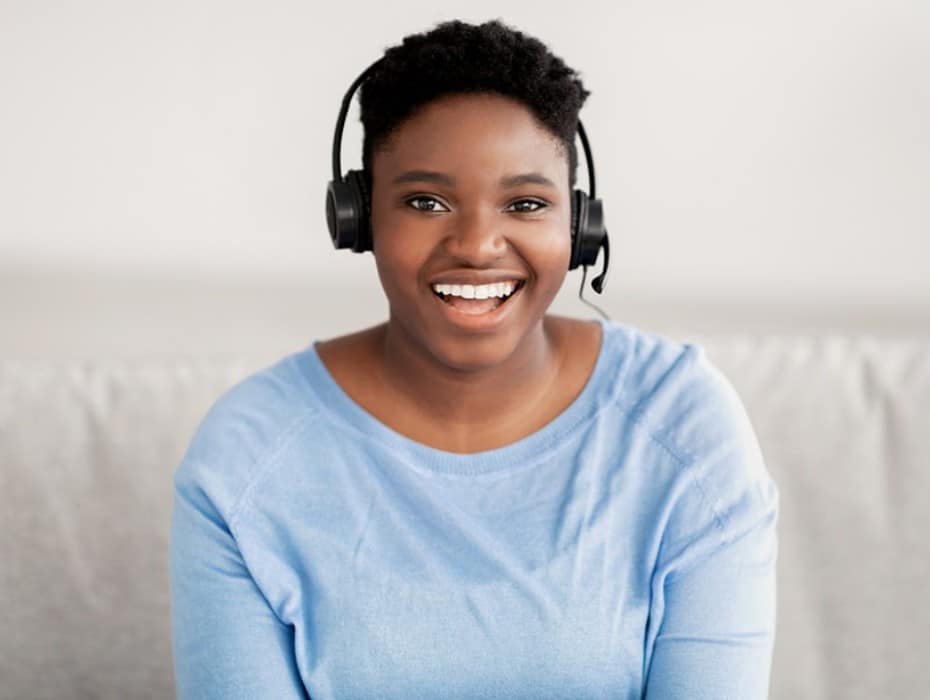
column 452, row 279
column 478, row 322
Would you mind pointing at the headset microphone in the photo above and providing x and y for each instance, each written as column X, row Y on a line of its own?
column 348, row 204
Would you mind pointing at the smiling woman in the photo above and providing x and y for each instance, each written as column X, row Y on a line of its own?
column 475, row 498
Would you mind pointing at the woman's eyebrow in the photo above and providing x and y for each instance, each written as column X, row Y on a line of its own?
column 507, row 181
column 527, row 179
column 424, row 176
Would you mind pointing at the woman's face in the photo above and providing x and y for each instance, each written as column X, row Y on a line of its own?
column 470, row 190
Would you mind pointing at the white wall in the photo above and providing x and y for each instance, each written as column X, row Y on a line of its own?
column 773, row 154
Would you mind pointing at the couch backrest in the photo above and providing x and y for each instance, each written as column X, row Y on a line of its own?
column 87, row 453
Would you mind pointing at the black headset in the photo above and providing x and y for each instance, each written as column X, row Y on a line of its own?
column 348, row 204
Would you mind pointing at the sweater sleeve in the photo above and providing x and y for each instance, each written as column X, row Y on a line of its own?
column 713, row 589
column 717, row 631
column 227, row 641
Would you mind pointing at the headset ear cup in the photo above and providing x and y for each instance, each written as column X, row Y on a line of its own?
column 341, row 217
column 347, row 212
column 358, row 181
column 592, row 235
column 579, row 217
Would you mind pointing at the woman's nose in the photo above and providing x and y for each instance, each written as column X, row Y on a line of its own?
column 476, row 236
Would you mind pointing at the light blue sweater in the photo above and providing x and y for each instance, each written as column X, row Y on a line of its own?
column 625, row 550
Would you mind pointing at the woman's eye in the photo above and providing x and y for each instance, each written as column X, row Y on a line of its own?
column 527, row 206
column 427, row 204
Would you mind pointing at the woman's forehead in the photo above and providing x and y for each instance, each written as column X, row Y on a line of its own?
column 463, row 132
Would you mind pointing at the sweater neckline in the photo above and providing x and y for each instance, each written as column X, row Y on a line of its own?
column 335, row 403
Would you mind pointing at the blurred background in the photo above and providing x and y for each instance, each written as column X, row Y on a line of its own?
column 163, row 170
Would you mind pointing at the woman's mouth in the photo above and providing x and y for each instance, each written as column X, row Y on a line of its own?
column 475, row 300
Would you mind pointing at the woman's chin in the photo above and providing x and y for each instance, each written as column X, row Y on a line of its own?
column 477, row 352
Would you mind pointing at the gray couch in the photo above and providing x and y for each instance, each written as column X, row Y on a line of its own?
column 87, row 452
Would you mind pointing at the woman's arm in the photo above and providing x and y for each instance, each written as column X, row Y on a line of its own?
column 227, row 642
column 718, row 626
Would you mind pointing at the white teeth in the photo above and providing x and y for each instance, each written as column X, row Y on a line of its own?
column 480, row 291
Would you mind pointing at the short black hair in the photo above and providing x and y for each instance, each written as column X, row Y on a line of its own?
column 456, row 57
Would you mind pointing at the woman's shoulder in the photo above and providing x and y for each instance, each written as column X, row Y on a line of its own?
column 653, row 372
column 248, row 424
column 691, row 410
column 668, row 388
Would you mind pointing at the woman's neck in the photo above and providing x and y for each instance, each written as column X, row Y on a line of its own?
column 469, row 402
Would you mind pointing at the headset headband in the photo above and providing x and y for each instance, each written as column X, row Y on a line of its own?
column 347, row 103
